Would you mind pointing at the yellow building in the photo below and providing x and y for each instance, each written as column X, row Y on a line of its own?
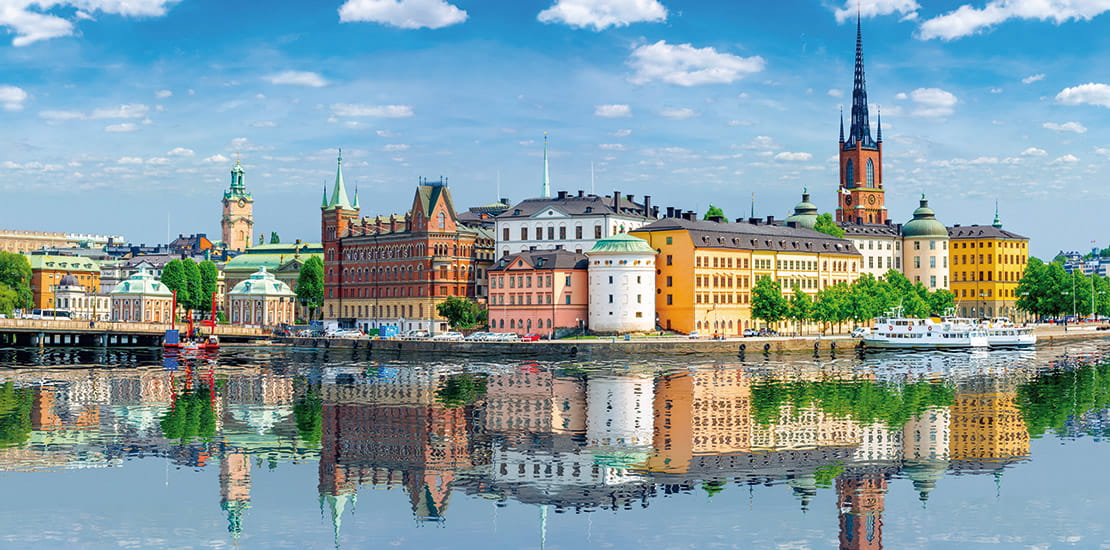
column 703, row 412
column 985, row 265
column 706, row 269
column 986, row 424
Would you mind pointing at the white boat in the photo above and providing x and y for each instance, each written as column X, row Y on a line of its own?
column 897, row 332
column 1001, row 333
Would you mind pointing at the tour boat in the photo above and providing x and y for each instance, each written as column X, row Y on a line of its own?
column 897, row 332
column 1002, row 333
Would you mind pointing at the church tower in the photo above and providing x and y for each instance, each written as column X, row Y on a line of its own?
column 337, row 215
column 861, row 198
column 237, row 224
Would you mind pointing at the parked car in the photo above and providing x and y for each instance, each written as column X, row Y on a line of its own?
column 860, row 332
column 477, row 337
column 749, row 332
column 415, row 334
column 448, row 336
column 767, row 332
column 531, row 338
column 344, row 333
column 694, row 335
column 504, row 337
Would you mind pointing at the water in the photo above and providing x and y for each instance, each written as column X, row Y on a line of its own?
column 309, row 449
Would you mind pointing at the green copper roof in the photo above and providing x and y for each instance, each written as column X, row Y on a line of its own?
column 141, row 284
column 62, row 263
column 805, row 213
column 339, row 197
column 261, row 283
column 924, row 223
column 272, row 256
column 622, row 243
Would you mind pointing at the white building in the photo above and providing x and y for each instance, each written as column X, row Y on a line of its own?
column 142, row 298
column 622, row 285
column 620, row 411
column 925, row 248
column 261, row 300
column 70, row 296
column 570, row 222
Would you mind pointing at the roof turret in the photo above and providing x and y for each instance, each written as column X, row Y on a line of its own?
column 621, row 243
column 339, row 197
column 805, row 212
column 924, row 222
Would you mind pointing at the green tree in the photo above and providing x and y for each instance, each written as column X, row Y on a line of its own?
column 15, row 414
column 8, row 300
column 310, row 285
column 826, row 225
column 209, row 277
column 15, row 275
column 941, row 301
column 462, row 313
column 713, row 211
column 768, row 303
column 1031, row 288
column 865, row 299
column 801, row 307
column 832, row 307
column 1060, row 259
column 460, row 390
column 197, row 300
column 173, row 276
column 274, row 239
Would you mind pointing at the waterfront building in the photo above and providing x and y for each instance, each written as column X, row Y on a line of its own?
column 142, row 298
column 261, row 300
column 283, row 261
column 543, row 292
column 701, row 412
column 570, row 222
column 925, row 248
column 73, row 297
column 394, row 270
column 622, row 285
column 47, row 272
column 22, row 242
column 862, row 199
column 706, row 269
column 986, row 264
column 237, row 222
column 987, row 428
column 484, row 216
column 191, row 245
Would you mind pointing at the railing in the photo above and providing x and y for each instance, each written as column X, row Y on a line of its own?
column 119, row 326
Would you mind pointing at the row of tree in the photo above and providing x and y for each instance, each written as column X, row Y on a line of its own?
column 195, row 283
column 15, row 282
column 1047, row 290
column 860, row 301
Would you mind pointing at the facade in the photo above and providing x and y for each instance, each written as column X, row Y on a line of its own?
column 142, row 299
column 986, row 263
column 395, row 270
column 191, row 245
column 23, row 242
column 237, row 223
column 622, row 285
column 925, row 248
column 706, row 269
column 283, row 261
column 539, row 292
column 71, row 296
column 570, row 222
column 47, row 272
column 879, row 244
column 861, row 195
column 261, row 300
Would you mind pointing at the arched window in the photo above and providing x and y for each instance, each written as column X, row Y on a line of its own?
column 849, row 174
column 870, row 173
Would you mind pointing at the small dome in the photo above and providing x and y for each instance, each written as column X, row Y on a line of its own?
column 622, row 243
column 805, row 213
column 69, row 280
column 924, row 223
column 261, row 283
column 142, row 283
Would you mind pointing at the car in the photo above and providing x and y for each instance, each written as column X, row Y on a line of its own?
column 415, row 334
column 531, row 338
column 767, row 332
column 694, row 335
column 860, row 332
column 503, row 337
column 476, row 337
column 448, row 336
column 749, row 332
column 344, row 333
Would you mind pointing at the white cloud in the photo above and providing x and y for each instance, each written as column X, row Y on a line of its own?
column 1066, row 127
column 679, row 113
column 1068, row 159
column 621, row 133
column 298, row 78
column 967, row 20
column 685, row 65
column 61, row 116
column 396, row 147
column 835, row 93
column 28, row 22
column 264, row 124
column 612, row 147
column 244, row 144
column 613, row 111
column 871, row 8
column 996, row 90
column 932, row 102
column 129, row 160
column 181, row 152
column 1089, row 93
column 601, row 14
column 12, row 97
column 793, row 156
column 762, row 142
column 381, row 111
column 1034, row 152
column 163, row 94
column 1102, row 151
column 131, row 110
column 1032, row 78
column 157, row 161
column 217, row 158
column 121, row 128
column 405, row 14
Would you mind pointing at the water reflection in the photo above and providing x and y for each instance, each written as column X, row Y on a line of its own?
column 567, row 437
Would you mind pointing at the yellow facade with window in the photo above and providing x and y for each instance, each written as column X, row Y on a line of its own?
column 985, row 265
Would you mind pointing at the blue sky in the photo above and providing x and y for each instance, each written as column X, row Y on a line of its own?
column 121, row 116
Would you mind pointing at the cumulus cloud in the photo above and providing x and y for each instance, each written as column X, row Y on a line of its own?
column 181, row 152
column 871, row 8
column 679, row 113
column 405, row 14
column 762, row 142
column 685, row 65
column 30, row 20
column 61, row 116
column 967, row 20
column 129, row 160
column 835, row 93
column 379, row 111
column 298, row 78
column 793, row 156
column 12, row 97
column 1066, row 127
column 601, row 14
column 612, row 147
column 264, row 124
column 163, row 94
column 157, row 161
column 396, row 147
column 1066, row 159
column 1090, row 93
column 1032, row 78
column 131, row 110
column 931, row 102
column 217, row 158
column 1034, row 152
column 621, row 133
column 121, row 128
column 612, row 111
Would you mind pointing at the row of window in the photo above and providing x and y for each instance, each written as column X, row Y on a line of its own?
column 526, row 299
column 551, row 232
column 1003, row 244
column 401, row 292
column 1010, row 259
column 1003, row 276
column 717, row 298
column 932, row 262
column 871, row 244
column 895, row 262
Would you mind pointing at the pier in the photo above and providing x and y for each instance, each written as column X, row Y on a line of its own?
column 65, row 332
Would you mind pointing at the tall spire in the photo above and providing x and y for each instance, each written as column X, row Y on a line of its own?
column 546, row 174
column 355, row 204
column 997, row 220
column 339, row 197
column 860, row 131
column 879, row 132
column 842, row 125
column 324, row 201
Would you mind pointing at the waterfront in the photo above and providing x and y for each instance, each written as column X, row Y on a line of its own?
column 321, row 449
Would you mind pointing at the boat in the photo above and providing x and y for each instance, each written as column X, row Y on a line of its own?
column 1001, row 333
column 895, row 331
column 193, row 341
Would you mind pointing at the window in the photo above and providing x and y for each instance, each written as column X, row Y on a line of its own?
column 870, row 173
column 524, row 233
column 610, row 298
column 551, row 233
column 670, row 240
column 917, row 245
column 669, row 280
column 562, row 233
column 597, row 231
column 669, row 258
column 610, row 279
column 670, row 299
column 932, row 281
column 849, row 174
column 567, row 299
column 578, row 232
column 917, row 261
column 568, row 280
column 932, row 261
column 441, row 221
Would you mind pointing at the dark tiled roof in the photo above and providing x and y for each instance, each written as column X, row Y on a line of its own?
column 871, row 229
column 545, row 259
column 573, row 205
column 983, row 232
column 746, row 236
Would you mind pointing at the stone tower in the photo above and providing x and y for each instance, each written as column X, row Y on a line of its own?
column 237, row 224
column 860, row 194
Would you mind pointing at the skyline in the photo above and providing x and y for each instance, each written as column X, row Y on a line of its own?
column 705, row 104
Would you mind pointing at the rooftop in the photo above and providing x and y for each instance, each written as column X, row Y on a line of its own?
column 545, row 259
column 748, row 236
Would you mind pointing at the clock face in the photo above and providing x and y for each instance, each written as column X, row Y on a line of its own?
column 242, row 203
column 871, row 199
column 848, row 199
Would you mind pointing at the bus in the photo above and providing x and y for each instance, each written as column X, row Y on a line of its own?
column 46, row 314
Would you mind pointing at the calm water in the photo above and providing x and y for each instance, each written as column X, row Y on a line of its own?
column 302, row 449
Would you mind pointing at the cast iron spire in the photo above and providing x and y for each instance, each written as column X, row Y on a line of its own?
column 860, row 130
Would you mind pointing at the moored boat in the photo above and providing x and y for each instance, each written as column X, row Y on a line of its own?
column 895, row 331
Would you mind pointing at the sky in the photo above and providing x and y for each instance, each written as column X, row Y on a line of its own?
column 126, row 116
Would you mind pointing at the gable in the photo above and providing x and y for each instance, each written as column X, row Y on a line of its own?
column 550, row 213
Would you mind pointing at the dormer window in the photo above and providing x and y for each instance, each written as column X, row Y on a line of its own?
column 589, row 209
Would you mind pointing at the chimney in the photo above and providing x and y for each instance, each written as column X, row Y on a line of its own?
column 617, row 201
column 717, row 219
column 580, row 193
column 753, row 221
column 770, row 220
column 629, row 197
column 792, row 224
column 655, row 212
column 647, row 205
column 670, row 211
column 505, row 201
column 562, row 195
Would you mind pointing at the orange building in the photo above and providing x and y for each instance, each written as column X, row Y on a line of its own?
column 539, row 292
column 47, row 272
column 707, row 411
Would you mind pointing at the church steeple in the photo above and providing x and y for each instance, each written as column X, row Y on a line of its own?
column 339, row 197
column 860, row 195
column 860, row 131
column 842, row 125
column 997, row 220
column 546, row 174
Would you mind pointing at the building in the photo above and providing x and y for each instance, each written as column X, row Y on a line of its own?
column 700, row 412
column 484, row 216
column 571, row 222
column 861, row 195
column 543, row 292
column 142, row 298
column 22, row 242
column 191, row 245
column 261, row 300
column 73, row 297
column 706, row 269
column 395, row 270
column 237, row 223
column 47, row 272
column 925, row 248
column 622, row 285
column 879, row 244
column 282, row 261
column 986, row 262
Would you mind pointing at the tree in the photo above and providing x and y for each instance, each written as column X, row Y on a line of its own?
column 1060, row 258
column 714, row 211
column 768, row 303
column 15, row 275
column 8, row 300
column 941, row 301
column 801, row 307
column 173, row 276
column 832, row 304
column 196, row 300
column 274, row 239
column 826, row 225
column 310, row 285
column 461, row 313
column 209, row 277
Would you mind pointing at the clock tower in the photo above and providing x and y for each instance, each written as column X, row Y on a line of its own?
column 860, row 194
column 237, row 224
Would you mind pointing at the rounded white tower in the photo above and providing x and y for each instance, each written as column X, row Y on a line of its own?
column 622, row 285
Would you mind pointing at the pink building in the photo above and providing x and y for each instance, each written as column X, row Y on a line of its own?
column 539, row 292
